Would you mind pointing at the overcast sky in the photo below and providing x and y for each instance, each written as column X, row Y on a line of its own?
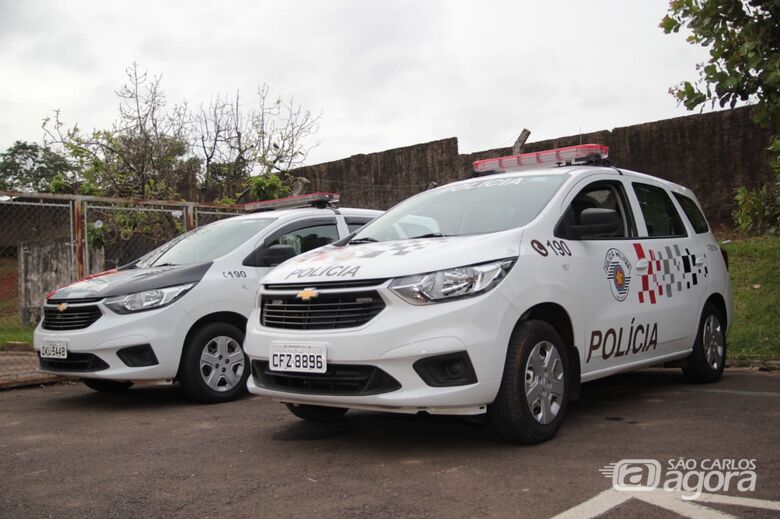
column 384, row 74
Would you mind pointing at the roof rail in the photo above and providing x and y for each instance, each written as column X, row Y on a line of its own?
column 320, row 200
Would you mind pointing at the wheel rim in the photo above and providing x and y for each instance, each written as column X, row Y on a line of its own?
column 544, row 383
column 713, row 342
column 222, row 363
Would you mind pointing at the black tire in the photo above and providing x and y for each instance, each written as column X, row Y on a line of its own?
column 511, row 413
column 698, row 368
column 106, row 386
column 192, row 371
column 317, row 413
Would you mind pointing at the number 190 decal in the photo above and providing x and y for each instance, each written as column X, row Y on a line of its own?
column 558, row 247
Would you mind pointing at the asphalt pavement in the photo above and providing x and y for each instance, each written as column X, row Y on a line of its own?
column 66, row 451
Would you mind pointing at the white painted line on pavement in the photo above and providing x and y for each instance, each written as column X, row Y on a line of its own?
column 596, row 505
column 739, row 501
column 674, row 503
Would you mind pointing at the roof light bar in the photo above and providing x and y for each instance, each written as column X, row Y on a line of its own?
column 542, row 159
column 313, row 199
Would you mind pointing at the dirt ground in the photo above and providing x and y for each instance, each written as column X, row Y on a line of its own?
column 68, row 452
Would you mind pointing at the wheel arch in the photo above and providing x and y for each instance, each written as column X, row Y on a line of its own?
column 234, row 318
column 556, row 316
column 719, row 302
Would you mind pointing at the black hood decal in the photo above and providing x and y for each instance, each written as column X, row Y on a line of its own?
column 131, row 280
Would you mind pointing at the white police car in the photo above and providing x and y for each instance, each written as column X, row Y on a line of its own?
column 498, row 295
column 180, row 311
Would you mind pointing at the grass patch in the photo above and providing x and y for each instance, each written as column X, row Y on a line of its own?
column 11, row 328
column 754, row 267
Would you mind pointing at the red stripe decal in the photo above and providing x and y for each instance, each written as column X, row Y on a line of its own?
column 639, row 252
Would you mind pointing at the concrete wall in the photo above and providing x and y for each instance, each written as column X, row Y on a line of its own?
column 380, row 180
column 710, row 153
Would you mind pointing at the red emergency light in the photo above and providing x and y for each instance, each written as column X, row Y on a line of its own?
column 567, row 156
column 291, row 202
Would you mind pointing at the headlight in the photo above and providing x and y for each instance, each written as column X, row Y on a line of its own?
column 147, row 300
column 446, row 285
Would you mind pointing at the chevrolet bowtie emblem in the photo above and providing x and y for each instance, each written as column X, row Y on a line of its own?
column 307, row 293
column 62, row 307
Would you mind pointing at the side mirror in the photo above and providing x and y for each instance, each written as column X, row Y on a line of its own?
column 277, row 254
column 595, row 222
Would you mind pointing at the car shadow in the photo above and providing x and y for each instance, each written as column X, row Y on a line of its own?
column 366, row 429
column 139, row 397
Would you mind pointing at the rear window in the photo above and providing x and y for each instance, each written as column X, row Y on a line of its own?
column 693, row 213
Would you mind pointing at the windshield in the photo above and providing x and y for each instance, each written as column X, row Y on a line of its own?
column 205, row 243
column 478, row 207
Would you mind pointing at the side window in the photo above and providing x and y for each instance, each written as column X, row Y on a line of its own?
column 693, row 213
column 354, row 223
column 354, row 227
column 308, row 238
column 659, row 212
column 599, row 195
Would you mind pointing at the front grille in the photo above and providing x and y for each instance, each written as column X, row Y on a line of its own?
column 340, row 379
column 81, row 362
column 327, row 311
column 72, row 318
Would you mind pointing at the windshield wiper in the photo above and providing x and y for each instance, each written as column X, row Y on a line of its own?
column 429, row 235
column 362, row 240
column 166, row 265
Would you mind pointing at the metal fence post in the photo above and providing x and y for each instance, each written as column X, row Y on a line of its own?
column 78, row 224
column 189, row 217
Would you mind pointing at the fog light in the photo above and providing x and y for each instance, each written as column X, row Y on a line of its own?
column 450, row 369
column 455, row 369
column 138, row 356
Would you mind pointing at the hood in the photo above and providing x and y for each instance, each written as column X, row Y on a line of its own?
column 397, row 258
column 131, row 280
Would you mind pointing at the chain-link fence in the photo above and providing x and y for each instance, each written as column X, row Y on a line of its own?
column 48, row 241
column 204, row 216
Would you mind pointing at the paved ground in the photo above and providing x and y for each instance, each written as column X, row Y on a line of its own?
column 65, row 451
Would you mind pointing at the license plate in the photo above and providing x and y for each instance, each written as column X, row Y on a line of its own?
column 54, row 349
column 305, row 358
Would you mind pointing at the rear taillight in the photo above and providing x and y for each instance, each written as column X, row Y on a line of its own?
column 725, row 257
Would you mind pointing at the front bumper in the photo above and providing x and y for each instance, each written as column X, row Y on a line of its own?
column 393, row 341
column 99, row 343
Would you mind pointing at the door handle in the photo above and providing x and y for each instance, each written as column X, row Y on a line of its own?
column 699, row 261
column 642, row 264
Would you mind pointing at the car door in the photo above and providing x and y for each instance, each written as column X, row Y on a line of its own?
column 671, row 265
column 604, row 275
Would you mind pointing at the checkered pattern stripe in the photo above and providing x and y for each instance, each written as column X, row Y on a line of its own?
column 670, row 270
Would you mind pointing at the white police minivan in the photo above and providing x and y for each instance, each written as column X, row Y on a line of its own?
column 498, row 294
column 179, row 312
